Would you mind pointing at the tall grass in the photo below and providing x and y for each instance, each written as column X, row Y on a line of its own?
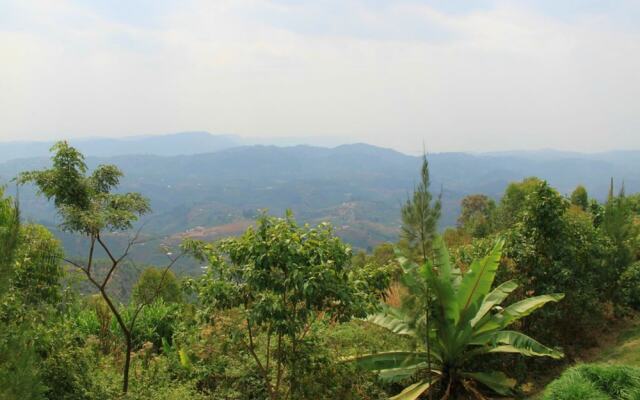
column 596, row 382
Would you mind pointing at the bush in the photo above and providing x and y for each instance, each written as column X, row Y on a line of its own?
column 67, row 366
column 19, row 366
column 596, row 382
column 157, row 321
column 630, row 286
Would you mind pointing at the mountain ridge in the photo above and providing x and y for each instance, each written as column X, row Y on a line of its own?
column 359, row 188
column 202, row 142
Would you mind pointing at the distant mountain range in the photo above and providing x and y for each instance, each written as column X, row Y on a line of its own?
column 184, row 143
column 357, row 187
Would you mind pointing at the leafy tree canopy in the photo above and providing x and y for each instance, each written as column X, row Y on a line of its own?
column 513, row 200
column 157, row 283
column 580, row 198
column 477, row 215
column 86, row 202
column 283, row 277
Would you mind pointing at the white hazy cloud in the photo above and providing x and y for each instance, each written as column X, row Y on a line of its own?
column 503, row 75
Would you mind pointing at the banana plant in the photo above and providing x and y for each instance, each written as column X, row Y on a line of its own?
column 468, row 321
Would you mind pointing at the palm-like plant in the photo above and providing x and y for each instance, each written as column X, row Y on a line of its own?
column 467, row 322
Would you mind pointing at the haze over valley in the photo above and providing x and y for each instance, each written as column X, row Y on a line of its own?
column 212, row 186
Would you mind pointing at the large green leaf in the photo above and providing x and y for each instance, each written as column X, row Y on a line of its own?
column 493, row 299
column 496, row 381
column 388, row 360
column 516, row 311
column 525, row 352
column 412, row 392
column 441, row 261
column 477, row 282
column 440, row 276
column 392, row 319
column 398, row 374
column 515, row 342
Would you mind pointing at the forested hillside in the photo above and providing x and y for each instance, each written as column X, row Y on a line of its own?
column 358, row 188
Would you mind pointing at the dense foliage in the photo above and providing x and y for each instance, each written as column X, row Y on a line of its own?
column 282, row 279
column 283, row 310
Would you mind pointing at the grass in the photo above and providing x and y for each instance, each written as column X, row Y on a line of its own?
column 622, row 348
column 626, row 350
column 596, row 382
column 614, row 365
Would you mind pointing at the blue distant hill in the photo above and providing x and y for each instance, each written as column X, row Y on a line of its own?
column 216, row 185
column 164, row 145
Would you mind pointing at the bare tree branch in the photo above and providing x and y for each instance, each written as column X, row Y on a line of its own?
column 115, row 262
column 106, row 248
column 91, row 249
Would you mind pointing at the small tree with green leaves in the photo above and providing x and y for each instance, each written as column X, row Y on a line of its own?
column 146, row 289
column 88, row 206
column 283, row 278
column 580, row 198
column 512, row 202
column 477, row 215
column 618, row 224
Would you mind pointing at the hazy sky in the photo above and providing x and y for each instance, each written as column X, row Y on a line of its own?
column 457, row 75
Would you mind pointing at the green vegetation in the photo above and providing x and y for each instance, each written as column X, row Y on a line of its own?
column 286, row 311
column 155, row 283
column 596, row 381
column 465, row 327
column 88, row 207
column 281, row 279
column 9, row 236
column 359, row 188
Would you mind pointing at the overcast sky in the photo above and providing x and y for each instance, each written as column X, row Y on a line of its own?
column 457, row 75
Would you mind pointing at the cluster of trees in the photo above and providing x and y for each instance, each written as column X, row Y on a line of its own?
column 555, row 243
column 286, row 311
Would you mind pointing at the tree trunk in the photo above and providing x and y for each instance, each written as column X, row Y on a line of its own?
column 127, row 365
column 293, row 371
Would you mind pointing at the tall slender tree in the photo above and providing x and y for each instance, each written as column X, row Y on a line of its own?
column 89, row 207
column 617, row 223
column 420, row 215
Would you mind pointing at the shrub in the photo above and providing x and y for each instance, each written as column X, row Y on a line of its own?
column 19, row 367
column 156, row 322
column 630, row 286
column 67, row 367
